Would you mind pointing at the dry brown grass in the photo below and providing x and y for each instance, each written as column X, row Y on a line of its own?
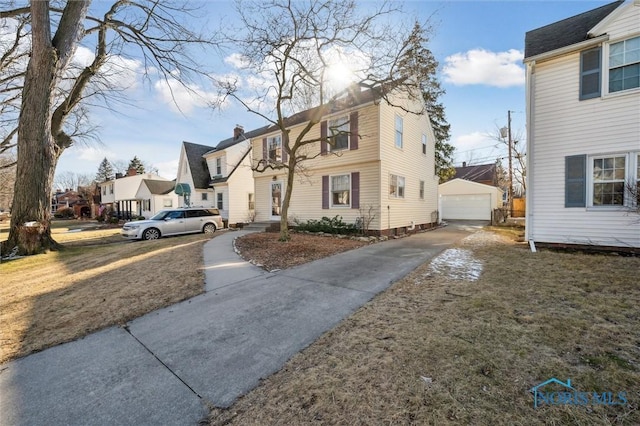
column 265, row 249
column 59, row 296
column 438, row 350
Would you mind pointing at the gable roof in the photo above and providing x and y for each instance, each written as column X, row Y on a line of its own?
column 159, row 187
column 197, row 164
column 566, row 32
column 222, row 145
column 481, row 172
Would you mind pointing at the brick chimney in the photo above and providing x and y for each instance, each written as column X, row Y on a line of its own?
column 132, row 172
column 237, row 132
column 464, row 164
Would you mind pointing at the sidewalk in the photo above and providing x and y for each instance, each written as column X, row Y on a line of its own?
column 169, row 366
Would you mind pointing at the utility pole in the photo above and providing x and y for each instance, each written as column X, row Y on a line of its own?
column 510, row 165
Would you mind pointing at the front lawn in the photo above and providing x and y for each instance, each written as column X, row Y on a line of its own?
column 98, row 280
column 462, row 340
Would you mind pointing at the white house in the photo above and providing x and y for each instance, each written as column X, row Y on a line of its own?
column 193, row 174
column 121, row 194
column 371, row 160
column 155, row 195
column 468, row 200
column 583, row 128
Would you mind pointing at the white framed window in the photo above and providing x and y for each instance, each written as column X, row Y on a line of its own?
column 339, row 129
column 396, row 186
column 220, row 201
column 218, row 166
column 204, row 196
column 104, row 190
column 167, row 202
column 422, row 190
column 340, row 190
column 611, row 179
column 111, row 189
column 274, row 148
column 624, row 65
column 424, row 144
column 252, row 201
column 398, row 133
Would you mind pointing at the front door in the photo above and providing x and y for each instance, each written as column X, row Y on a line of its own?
column 276, row 200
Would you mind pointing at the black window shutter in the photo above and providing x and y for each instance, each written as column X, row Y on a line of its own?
column 323, row 138
column 575, row 181
column 353, row 124
column 590, row 80
column 355, row 190
column 325, row 192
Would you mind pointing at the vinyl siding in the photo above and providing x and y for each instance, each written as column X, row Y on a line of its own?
column 410, row 163
column 240, row 185
column 561, row 125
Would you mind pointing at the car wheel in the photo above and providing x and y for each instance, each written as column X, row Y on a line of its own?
column 209, row 228
column 151, row 234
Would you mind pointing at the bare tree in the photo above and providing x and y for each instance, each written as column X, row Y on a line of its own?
column 52, row 91
column 72, row 180
column 291, row 46
column 519, row 157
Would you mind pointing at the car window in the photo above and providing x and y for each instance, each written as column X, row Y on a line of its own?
column 212, row 212
column 176, row 214
column 194, row 213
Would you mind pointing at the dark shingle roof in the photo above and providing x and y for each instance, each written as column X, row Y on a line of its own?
column 566, row 32
column 232, row 141
column 197, row 164
column 160, row 187
column 479, row 173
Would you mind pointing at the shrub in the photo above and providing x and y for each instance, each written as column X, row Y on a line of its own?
column 64, row 213
column 327, row 225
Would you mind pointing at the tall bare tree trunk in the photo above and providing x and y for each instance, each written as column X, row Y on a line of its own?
column 284, row 212
column 38, row 151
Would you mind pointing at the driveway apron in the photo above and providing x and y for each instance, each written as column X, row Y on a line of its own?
column 170, row 366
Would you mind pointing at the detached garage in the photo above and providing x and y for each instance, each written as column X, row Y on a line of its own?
column 466, row 200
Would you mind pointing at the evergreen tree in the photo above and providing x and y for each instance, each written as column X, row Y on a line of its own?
column 105, row 171
column 135, row 163
column 418, row 62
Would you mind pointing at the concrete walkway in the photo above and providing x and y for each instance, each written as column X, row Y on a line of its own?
column 169, row 366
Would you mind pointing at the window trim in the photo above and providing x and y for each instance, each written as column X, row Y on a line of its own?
column 219, row 166
column 340, row 206
column 397, row 186
column 204, row 196
column 330, row 126
column 630, row 175
column 251, row 200
column 269, row 140
column 424, row 144
column 598, row 71
column 606, row 68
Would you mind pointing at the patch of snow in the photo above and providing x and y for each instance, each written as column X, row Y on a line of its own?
column 457, row 264
column 482, row 238
column 73, row 230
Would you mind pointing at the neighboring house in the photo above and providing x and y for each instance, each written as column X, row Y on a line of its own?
column 231, row 177
column 120, row 194
column 583, row 128
column 486, row 174
column 155, row 195
column 193, row 176
column 381, row 168
column 467, row 200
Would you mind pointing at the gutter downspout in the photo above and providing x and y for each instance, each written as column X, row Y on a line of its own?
column 530, row 113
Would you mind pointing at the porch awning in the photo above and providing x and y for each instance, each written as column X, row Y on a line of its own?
column 183, row 189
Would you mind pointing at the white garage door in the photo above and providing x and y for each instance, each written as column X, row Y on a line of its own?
column 466, row 207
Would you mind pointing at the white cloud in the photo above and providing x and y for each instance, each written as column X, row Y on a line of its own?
column 237, row 60
column 83, row 56
column 93, row 154
column 479, row 66
column 471, row 141
column 167, row 169
column 183, row 98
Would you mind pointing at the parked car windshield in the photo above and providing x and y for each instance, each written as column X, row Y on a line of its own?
column 161, row 215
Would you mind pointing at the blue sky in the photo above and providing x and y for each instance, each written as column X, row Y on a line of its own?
column 479, row 45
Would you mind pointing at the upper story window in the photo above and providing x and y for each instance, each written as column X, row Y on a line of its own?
column 339, row 133
column 111, row 189
column 590, row 73
column 218, row 166
column 398, row 131
column 424, row 144
column 624, row 65
column 274, row 147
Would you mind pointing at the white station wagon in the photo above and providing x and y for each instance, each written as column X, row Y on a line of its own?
column 174, row 222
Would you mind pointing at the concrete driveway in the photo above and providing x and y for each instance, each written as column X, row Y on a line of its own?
column 170, row 366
